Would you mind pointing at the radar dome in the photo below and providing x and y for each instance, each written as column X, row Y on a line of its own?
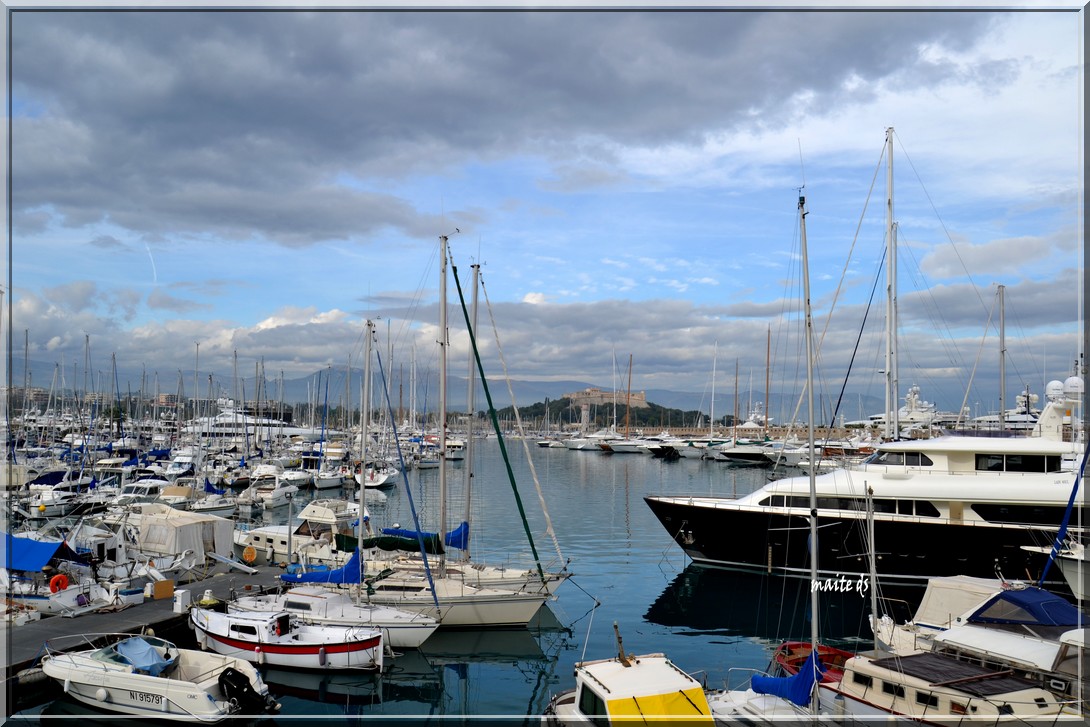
column 1054, row 390
column 1073, row 387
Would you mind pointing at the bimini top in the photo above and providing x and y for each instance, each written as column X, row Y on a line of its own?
column 1030, row 606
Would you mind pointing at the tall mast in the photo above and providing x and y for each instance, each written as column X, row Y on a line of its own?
column 1002, row 361
column 471, row 408
column 711, row 410
column 768, row 368
column 814, row 612
column 892, row 423
column 443, row 343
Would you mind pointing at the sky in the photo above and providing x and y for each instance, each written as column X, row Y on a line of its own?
column 218, row 190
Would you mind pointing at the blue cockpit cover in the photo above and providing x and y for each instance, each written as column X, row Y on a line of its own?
column 143, row 656
column 1028, row 606
column 796, row 687
column 25, row 554
column 347, row 573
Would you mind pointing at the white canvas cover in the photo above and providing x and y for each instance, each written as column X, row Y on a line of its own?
column 949, row 597
column 169, row 532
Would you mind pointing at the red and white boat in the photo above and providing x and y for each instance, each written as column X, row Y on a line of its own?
column 282, row 639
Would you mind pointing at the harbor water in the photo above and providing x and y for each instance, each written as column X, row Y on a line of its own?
column 714, row 623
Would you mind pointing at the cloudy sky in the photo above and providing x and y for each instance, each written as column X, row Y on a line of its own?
column 261, row 183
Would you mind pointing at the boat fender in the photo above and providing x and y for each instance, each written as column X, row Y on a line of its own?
column 321, row 655
column 67, row 685
column 58, row 582
column 101, row 694
column 276, row 628
column 269, row 554
column 259, row 655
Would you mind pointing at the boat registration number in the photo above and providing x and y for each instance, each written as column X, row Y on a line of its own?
column 145, row 697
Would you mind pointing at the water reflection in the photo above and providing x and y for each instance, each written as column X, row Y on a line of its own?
column 707, row 600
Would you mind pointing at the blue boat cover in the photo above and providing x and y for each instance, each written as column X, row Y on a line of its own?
column 347, row 573
column 796, row 687
column 1027, row 606
column 454, row 539
column 24, row 554
column 212, row 489
column 143, row 656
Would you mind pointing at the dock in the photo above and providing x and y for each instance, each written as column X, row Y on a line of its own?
column 25, row 683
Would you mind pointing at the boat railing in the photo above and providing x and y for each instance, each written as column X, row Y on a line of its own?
column 739, row 676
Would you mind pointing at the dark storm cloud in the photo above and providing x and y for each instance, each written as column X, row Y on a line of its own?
column 293, row 127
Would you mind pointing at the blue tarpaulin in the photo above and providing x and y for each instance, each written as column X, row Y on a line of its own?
column 456, row 538
column 143, row 656
column 347, row 573
column 33, row 555
column 796, row 687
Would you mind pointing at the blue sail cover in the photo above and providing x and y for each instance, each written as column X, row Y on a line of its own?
column 456, row 538
column 1028, row 606
column 347, row 573
column 25, row 554
column 796, row 687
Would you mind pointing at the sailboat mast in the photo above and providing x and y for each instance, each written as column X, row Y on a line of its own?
column 443, row 342
column 1002, row 361
column 814, row 614
column 711, row 409
column 892, row 424
column 471, row 406
column 768, row 379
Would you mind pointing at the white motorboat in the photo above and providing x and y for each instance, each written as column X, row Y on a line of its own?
column 626, row 688
column 268, row 492
column 319, row 605
column 148, row 676
column 279, row 638
column 313, row 540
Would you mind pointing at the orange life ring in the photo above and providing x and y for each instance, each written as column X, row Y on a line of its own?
column 249, row 554
column 58, row 582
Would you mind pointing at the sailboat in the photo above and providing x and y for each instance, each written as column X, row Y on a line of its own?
column 409, row 583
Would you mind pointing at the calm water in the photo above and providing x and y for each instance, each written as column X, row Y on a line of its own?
column 626, row 570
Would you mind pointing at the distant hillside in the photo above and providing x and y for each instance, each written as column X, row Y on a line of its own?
column 313, row 388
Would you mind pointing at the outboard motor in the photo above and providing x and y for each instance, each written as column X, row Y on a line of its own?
column 236, row 688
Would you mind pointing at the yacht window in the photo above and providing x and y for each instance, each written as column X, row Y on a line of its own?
column 927, row 699
column 862, row 679
column 925, row 509
column 896, row 690
column 885, row 505
column 890, row 458
column 1032, row 514
column 244, row 629
column 297, row 605
column 1042, row 703
column 957, row 708
column 1018, row 463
